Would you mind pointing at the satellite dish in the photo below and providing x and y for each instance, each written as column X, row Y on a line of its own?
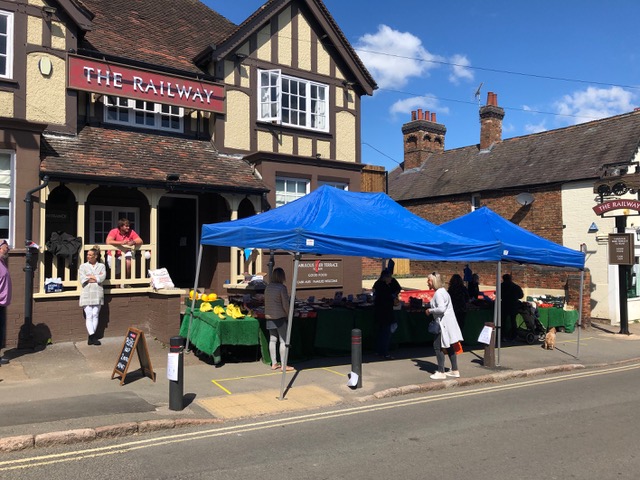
column 525, row 199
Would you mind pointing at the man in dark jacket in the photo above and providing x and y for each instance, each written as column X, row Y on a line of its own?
column 384, row 294
column 511, row 293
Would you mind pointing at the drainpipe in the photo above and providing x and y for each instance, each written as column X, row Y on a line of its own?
column 25, row 338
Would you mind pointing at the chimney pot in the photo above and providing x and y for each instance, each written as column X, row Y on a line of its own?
column 491, row 116
column 422, row 139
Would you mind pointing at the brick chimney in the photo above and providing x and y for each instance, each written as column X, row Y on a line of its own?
column 491, row 116
column 422, row 136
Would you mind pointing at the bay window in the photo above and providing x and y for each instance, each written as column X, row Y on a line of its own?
column 292, row 101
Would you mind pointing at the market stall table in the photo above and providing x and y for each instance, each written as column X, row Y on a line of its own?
column 333, row 328
column 555, row 317
column 209, row 332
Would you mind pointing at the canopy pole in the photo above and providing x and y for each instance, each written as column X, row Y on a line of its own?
column 497, row 311
column 292, row 303
column 580, row 312
column 195, row 296
column 272, row 262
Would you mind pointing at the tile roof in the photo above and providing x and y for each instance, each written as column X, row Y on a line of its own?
column 169, row 33
column 109, row 155
column 555, row 156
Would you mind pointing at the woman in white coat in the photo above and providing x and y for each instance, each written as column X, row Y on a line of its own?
column 442, row 310
column 91, row 275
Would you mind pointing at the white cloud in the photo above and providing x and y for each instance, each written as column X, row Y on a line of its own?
column 427, row 102
column 459, row 70
column 595, row 103
column 535, row 128
column 394, row 57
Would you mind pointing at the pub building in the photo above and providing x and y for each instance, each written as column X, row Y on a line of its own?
column 169, row 115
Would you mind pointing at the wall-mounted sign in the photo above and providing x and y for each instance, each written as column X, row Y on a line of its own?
column 605, row 207
column 621, row 249
column 319, row 273
column 113, row 79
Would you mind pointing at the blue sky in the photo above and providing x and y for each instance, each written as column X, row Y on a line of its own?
column 552, row 63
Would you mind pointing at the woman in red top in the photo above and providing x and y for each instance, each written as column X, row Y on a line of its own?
column 123, row 236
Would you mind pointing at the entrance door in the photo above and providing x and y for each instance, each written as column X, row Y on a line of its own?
column 177, row 238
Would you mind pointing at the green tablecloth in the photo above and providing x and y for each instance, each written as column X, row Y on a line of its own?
column 301, row 347
column 555, row 317
column 333, row 330
column 330, row 332
column 209, row 332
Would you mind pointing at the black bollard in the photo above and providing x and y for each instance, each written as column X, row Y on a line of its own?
column 356, row 354
column 176, row 387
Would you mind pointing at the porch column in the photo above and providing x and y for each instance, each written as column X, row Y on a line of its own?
column 233, row 259
column 153, row 197
column 44, row 197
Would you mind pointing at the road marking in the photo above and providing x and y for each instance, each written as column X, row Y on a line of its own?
column 221, row 387
column 132, row 446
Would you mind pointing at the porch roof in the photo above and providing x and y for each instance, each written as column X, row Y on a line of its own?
column 116, row 156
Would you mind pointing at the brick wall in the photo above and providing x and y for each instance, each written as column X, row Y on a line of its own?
column 543, row 217
column 61, row 319
column 371, row 267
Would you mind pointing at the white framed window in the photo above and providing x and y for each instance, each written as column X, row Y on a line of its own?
column 475, row 202
column 7, row 159
column 104, row 218
column 338, row 185
column 290, row 189
column 292, row 101
column 140, row 113
column 6, row 44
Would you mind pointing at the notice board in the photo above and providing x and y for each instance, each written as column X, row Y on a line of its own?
column 134, row 341
column 320, row 273
column 621, row 249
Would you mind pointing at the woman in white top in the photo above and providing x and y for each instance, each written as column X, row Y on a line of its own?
column 442, row 310
column 91, row 275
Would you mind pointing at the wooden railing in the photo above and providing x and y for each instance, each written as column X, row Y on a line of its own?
column 142, row 258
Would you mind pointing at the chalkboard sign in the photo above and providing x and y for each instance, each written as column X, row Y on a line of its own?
column 132, row 342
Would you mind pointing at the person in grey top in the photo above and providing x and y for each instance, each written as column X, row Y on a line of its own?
column 276, row 310
column 91, row 275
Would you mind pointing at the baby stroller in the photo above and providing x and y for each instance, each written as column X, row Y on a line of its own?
column 533, row 328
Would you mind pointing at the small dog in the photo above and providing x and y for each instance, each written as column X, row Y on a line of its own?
column 550, row 339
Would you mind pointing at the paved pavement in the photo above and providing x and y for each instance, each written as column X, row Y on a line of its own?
column 65, row 393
